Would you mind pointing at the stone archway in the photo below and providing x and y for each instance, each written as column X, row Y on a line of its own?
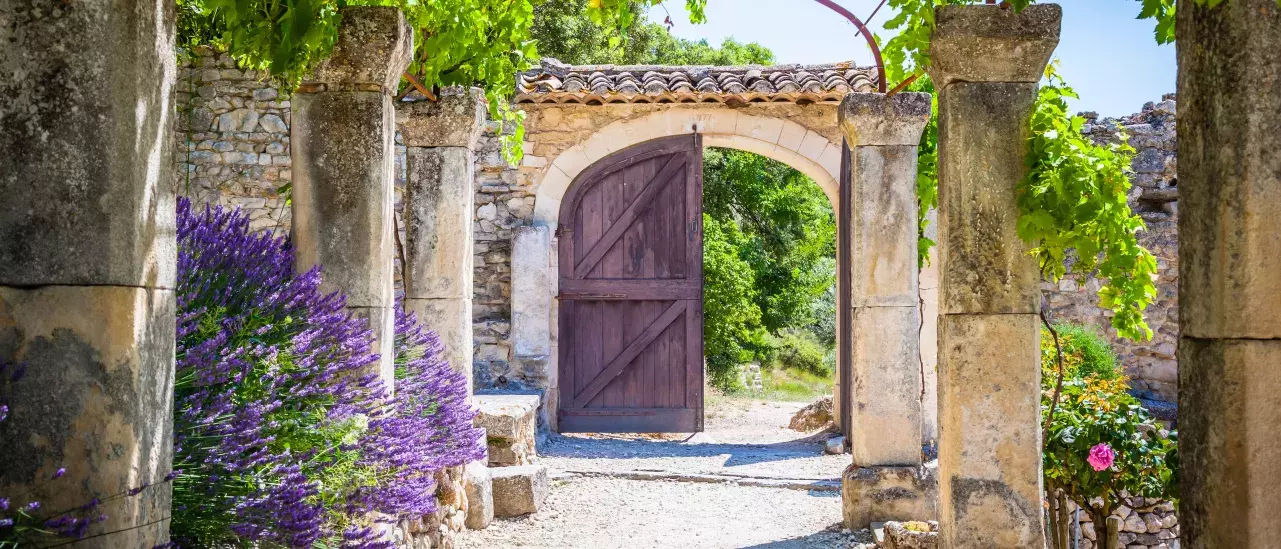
column 579, row 115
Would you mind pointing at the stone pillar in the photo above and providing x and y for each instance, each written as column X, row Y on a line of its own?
column 342, row 145
column 987, row 61
column 440, row 140
column 885, row 388
column 1229, row 281
column 87, row 261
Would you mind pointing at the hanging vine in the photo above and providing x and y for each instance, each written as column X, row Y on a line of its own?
column 1072, row 203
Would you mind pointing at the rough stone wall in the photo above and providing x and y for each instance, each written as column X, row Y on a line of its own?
column 1151, row 365
column 1146, row 524
column 232, row 132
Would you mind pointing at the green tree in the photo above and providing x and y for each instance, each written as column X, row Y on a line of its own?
column 565, row 31
column 788, row 226
column 732, row 330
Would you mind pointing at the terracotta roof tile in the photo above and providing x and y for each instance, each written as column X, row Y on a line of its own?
column 555, row 82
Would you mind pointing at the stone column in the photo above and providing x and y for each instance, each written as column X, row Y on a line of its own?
column 885, row 385
column 342, row 145
column 440, row 139
column 986, row 63
column 87, row 261
column 1230, row 273
column 885, row 393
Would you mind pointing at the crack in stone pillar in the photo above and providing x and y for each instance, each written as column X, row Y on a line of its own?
column 1229, row 287
column 87, row 262
column 440, row 141
column 986, row 61
column 342, row 148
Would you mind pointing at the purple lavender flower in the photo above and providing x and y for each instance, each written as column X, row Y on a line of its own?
column 271, row 389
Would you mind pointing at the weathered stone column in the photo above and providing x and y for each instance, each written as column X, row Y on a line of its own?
column 87, row 261
column 1230, row 273
column 986, row 63
column 883, row 133
column 885, row 385
column 342, row 148
column 440, row 138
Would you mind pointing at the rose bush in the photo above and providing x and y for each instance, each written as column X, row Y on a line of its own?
column 1101, row 444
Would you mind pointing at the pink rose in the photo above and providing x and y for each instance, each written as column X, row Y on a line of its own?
column 1101, row 456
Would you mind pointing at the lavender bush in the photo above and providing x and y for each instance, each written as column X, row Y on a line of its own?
column 281, row 439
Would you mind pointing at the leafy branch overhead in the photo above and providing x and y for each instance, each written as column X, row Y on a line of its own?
column 456, row 42
column 1072, row 203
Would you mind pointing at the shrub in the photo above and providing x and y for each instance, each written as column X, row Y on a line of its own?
column 1101, row 445
column 799, row 350
column 1085, row 353
column 281, row 438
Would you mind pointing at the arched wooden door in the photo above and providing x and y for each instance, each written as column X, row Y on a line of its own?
column 631, row 292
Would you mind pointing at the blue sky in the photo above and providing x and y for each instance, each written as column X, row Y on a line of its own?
column 1106, row 54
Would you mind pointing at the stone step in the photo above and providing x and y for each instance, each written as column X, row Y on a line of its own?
column 518, row 490
column 510, row 423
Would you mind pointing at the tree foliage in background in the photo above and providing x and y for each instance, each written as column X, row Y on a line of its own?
column 1073, row 200
column 788, row 226
column 456, row 42
column 565, row 31
column 732, row 330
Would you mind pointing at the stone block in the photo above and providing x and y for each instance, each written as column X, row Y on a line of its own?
column 96, row 399
column 375, row 45
column 342, row 159
column 479, row 486
column 519, row 490
column 983, row 132
column 438, row 222
column 877, row 494
column 456, row 120
column 451, row 319
column 531, row 299
column 883, row 227
column 1228, row 448
column 869, row 119
column 989, row 431
column 1230, row 171
column 992, row 43
column 86, row 164
column 510, row 422
column 886, row 390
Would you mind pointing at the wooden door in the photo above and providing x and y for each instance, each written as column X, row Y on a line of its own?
column 631, row 292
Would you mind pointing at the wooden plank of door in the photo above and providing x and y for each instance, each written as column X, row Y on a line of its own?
column 624, row 358
column 673, row 165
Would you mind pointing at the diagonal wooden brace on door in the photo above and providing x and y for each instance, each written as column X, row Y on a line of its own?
column 637, row 207
column 629, row 354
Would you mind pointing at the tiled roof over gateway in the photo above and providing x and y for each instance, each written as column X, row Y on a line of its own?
column 555, row 82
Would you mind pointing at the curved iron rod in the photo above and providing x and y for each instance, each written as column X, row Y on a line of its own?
column 871, row 42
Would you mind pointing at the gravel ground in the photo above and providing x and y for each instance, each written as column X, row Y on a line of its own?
column 595, row 503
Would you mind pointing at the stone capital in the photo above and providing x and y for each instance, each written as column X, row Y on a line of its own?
column 375, row 45
column 987, row 43
column 455, row 120
column 879, row 119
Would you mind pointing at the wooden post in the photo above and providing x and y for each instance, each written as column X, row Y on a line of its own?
column 1113, row 540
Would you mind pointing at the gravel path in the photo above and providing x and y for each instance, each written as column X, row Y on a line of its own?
column 597, row 502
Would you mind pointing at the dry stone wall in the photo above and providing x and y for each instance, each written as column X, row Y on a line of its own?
column 232, row 133
column 1151, row 365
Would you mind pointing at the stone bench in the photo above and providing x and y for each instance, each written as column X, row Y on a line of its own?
column 509, row 422
column 519, row 490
